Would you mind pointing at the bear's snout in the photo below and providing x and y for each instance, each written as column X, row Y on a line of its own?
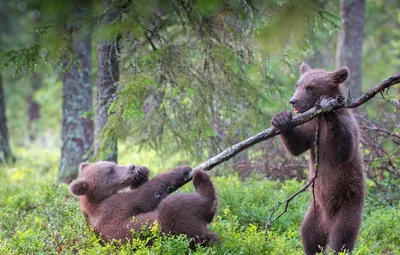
column 293, row 102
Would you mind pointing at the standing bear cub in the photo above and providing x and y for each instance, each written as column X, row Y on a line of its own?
column 339, row 188
column 114, row 215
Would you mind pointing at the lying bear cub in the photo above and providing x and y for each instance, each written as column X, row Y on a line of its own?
column 111, row 213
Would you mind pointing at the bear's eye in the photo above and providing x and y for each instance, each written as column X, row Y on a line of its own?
column 309, row 88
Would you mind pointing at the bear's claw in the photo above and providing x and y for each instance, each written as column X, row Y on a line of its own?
column 142, row 176
column 282, row 120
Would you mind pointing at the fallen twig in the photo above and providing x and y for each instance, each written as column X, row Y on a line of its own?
column 326, row 105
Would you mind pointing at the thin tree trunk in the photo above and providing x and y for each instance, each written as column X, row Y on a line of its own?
column 35, row 82
column 33, row 106
column 350, row 41
column 5, row 150
column 107, row 78
column 105, row 148
column 77, row 131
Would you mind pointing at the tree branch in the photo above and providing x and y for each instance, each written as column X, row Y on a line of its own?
column 287, row 201
column 326, row 105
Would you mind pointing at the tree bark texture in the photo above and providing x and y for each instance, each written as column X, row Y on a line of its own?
column 323, row 106
column 5, row 150
column 107, row 78
column 105, row 148
column 350, row 41
column 77, row 131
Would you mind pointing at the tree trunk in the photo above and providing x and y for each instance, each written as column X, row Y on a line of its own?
column 77, row 131
column 5, row 150
column 105, row 148
column 107, row 78
column 33, row 106
column 350, row 41
column 35, row 82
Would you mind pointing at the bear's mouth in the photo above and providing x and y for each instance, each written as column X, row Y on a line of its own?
column 297, row 109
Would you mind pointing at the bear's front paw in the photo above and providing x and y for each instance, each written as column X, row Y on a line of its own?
column 282, row 120
column 340, row 100
column 141, row 176
column 323, row 102
column 142, row 172
column 183, row 169
column 199, row 177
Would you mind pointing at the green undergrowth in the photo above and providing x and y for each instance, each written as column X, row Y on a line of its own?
column 39, row 216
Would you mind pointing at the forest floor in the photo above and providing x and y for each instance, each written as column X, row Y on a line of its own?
column 40, row 216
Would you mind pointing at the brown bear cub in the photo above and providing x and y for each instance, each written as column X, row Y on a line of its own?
column 114, row 214
column 339, row 188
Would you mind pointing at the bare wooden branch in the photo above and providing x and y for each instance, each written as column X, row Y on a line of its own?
column 316, row 164
column 286, row 202
column 326, row 105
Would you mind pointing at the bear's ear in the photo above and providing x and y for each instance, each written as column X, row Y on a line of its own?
column 304, row 68
column 340, row 75
column 79, row 187
column 83, row 165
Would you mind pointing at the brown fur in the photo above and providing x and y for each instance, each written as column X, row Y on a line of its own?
column 339, row 187
column 110, row 212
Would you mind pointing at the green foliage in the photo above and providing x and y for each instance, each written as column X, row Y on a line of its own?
column 379, row 234
column 252, row 205
column 39, row 216
column 207, row 66
column 184, row 67
column 381, row 39
column 24, row 59
column 385, row 188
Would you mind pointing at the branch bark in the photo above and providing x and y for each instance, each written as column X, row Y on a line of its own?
column 326, row 105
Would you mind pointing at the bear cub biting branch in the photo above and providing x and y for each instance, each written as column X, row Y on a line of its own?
column 339, row 188
column 110, row 212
